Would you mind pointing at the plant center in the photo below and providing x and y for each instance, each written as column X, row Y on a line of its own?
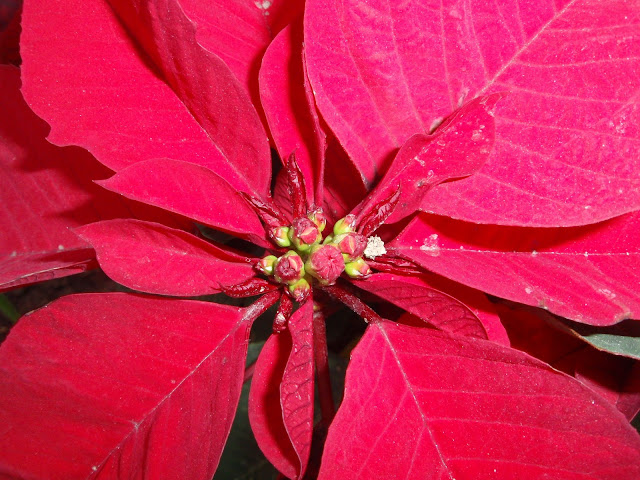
column 312, row 258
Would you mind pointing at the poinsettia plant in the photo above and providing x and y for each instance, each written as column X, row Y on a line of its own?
column 463, row 176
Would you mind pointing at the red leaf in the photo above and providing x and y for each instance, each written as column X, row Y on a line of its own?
column 190, row 190
column 44, row 192
column 458, row 148
column 567, row 148
column 281, row 398
column 296, row 389
column 281, row 197
column 239, row 31
column 210, row 90
column 79, row 100
column 292, row 119
column 156, row 259
column 265, row 412
column 617, row 379
column 296, row 187
column 120, row 385
column 69, row 80
column 419, row 297
column 32, row 267
column 422, row 403
column 589, row 274
column 343, row 191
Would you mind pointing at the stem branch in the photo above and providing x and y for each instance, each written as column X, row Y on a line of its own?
column 354, row 303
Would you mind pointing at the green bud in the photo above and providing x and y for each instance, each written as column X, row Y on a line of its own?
column 345, row 225
column 317, row 217
column 357, row 269
column 281, row 236
column 267, row 264
column 303, row 234
column 300, row 290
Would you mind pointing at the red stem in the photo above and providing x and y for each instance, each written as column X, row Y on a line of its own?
column 261, row 305
column 253, row 311
column 321, row 358
column 283, row 314
column 354, row 303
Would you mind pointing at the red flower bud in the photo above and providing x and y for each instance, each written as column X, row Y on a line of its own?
column 351, row 244
column 280, row 235
column 325, row 263
column 289, row 268
column 304, row 233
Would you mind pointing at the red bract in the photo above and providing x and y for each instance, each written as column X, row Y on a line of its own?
column 47, row 191
column 430, row 155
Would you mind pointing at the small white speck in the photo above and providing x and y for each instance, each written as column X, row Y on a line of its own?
column 534, row 253
column 60, row 247
column 264, row 5
column 607, row 293
column 587, row 207
column 528, row 290
column 430, row 245
column 375, row 248
column 586, row 254
column 14, row 253
column 94, row 468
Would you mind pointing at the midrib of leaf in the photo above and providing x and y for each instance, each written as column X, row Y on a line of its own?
column 251, row 312
column 150, row 413
column 444, row 56
column 405, row 83
column 409, row 387
column 524, row 46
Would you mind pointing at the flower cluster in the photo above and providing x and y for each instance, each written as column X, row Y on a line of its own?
column 314, row 259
